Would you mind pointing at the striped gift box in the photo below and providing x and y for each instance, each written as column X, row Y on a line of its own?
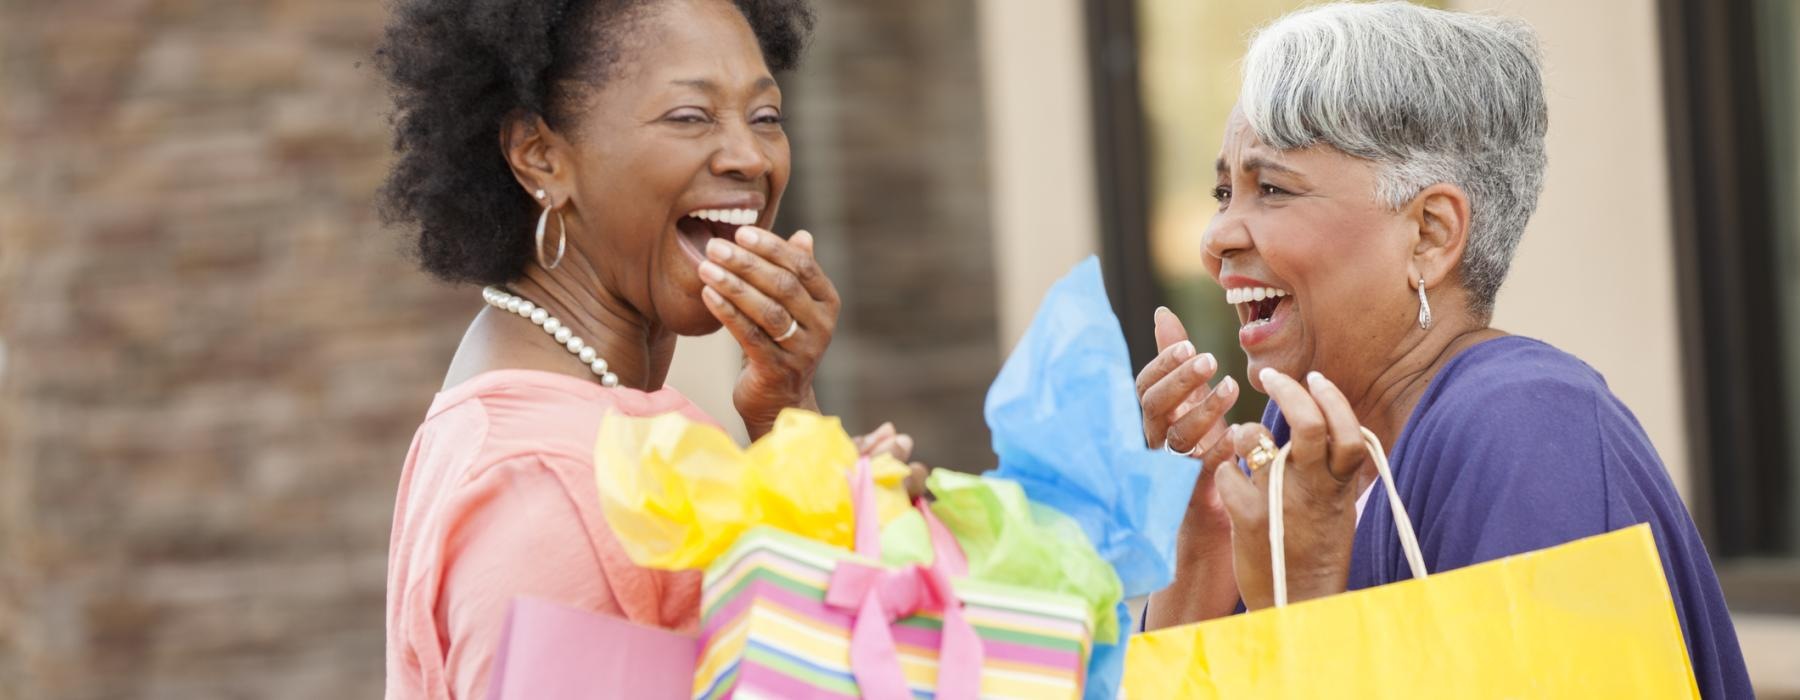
column 767, row 633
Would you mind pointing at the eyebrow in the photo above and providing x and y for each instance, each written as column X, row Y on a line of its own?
column 705, row 85
column 1258, row 163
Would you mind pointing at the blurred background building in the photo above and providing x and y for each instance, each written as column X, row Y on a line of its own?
column 212, row 356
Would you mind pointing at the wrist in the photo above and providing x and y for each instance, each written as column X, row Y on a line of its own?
column 759, row 412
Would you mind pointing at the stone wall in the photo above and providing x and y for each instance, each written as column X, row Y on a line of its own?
column 215, row 357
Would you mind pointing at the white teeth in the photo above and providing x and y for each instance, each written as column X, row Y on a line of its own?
column 1244, row 295
column 735, row 217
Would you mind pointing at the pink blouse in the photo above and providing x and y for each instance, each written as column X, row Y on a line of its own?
column 498, row 500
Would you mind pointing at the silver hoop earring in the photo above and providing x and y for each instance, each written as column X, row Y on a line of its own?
column 562, row 238
column 1424, row 307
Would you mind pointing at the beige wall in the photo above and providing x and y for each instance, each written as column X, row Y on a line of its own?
column 1595, row 274
column 1040, row 148
column 705, row 370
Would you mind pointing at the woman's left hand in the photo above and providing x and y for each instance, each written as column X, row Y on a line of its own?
column 888, row 440
column 776, row 301
column 1320, row 487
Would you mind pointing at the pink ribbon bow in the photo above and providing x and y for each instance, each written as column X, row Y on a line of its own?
column 882, row 596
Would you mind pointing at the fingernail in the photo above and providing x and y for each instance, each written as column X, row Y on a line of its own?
column 712, row 295
column 1228, row 386
column 1204, row 364
column 905, row 442
column 1267, row 375
column 711, row 272
column 1184, row 350
column 1314, row 379
column 718, row 249
column 747, row 235
column 1160, row 310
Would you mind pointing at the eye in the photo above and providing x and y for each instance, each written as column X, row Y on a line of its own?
column 1222, row 194
column 1271, row 190
column 688, row 115
column 768, row 116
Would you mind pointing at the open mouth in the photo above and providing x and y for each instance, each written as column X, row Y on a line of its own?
column 1256, row 305
column 700, row 227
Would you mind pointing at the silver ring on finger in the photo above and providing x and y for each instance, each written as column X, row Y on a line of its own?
column 793, row 329
column 1169, row 444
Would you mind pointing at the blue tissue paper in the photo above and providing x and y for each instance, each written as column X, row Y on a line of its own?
column 1067, row 427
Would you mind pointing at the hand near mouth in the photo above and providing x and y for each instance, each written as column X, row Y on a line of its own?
column 782, row 309
column 1184, row 414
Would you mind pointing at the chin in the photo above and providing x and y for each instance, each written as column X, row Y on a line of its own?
column 693, row 322
column 1256, row 365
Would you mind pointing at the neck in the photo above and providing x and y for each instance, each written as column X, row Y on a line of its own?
column 1385, row 403
column 637, row 348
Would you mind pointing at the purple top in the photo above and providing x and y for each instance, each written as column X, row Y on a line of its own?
column 1517, row 446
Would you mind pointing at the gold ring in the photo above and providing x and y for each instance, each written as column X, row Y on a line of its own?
column 1262, row 454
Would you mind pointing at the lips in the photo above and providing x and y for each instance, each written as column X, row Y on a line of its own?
column 1262, row 309
column 702, row 225
column 1255, row 304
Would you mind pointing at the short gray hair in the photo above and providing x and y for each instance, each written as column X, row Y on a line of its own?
column 1430, row 96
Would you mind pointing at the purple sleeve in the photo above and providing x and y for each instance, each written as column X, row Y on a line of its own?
column 1528, row 455
column 1519, row 466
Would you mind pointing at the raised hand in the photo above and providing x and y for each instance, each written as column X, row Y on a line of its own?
column 1324, row 474
column 1183, row 413
column 782, row 309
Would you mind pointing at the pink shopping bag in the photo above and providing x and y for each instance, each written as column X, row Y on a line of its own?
column 555, row 652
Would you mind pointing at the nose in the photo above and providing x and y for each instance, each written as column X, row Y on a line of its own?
column 741, row 154
column 1226, row 235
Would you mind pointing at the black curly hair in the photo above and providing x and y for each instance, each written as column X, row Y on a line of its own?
column 460, row 69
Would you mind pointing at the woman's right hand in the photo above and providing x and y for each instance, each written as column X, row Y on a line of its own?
column 1183, row 413
column 773, row 297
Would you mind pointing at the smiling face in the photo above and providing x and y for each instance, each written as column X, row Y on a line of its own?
column 1316, row 266
column 683, row 143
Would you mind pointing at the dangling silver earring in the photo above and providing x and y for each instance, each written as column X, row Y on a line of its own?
column 1424, row 307
column 562, row 236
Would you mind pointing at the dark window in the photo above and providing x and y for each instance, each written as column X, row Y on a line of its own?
column 1731, row 84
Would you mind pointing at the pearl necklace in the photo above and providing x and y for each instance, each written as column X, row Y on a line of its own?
column 513, row 303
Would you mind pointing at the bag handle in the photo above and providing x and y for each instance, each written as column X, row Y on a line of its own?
column 1409, row 542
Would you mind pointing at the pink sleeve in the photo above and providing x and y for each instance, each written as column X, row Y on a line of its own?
column 531, row 526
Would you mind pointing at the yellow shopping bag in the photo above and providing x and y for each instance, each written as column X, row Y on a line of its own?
column 1588, row 619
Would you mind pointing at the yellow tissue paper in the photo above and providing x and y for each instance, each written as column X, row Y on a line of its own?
column 677, row 493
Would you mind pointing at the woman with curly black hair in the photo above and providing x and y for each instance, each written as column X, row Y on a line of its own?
column 610, row 170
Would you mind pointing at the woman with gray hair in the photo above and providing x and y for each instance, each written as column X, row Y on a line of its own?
column 1374, row 182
